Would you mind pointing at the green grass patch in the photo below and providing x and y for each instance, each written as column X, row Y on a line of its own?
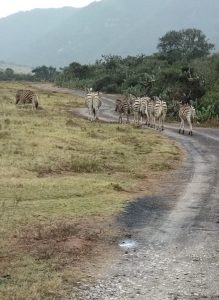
column 59, row 173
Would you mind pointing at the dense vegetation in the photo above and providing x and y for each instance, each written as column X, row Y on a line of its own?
column 183, row 64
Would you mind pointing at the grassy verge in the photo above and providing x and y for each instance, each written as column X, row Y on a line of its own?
column 61, row 181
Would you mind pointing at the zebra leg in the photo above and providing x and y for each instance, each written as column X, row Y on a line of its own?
column 136, row 117
column 149, row 120
column 183, row 129
column 159, row 124
column 180, row 126
column 162, row 124
column 91, row 114
column 153, row 123
column 190, row 125
column 35, row 101
column 141, row 117
column 146, row 118
column 94, row 114
column 157, row 121
column 163, row 118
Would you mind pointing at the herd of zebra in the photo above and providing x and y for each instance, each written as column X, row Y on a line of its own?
column 143, row 108
column 150, row 111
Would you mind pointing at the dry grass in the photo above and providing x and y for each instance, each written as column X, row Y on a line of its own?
column 61, row 180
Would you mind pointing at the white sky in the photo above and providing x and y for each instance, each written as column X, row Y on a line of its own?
column 8, row 7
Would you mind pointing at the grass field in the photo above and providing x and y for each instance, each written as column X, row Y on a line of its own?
column 62, row 179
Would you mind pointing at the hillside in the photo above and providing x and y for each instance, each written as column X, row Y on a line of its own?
column 122, row 27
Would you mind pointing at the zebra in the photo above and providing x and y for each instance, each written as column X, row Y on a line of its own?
column 140, row 109
column 144, row 109
column 26, row 97
column 93, row 102
column 159, row 112
column 163, row 114
column 186, row 113
column 150, row 112
column 123, row 107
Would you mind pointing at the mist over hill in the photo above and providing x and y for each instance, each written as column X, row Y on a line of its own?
column 120, row 27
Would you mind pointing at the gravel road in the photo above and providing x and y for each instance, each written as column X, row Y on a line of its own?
column 173, row 249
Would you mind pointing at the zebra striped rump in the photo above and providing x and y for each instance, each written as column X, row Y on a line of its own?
column 140, row 109
column 123, row 107
column 159, row 112
column 93, row 102
column 150, row 112
column 186, row 113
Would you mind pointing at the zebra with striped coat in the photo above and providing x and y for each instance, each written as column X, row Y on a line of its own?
column 159, row 113
column 150, row 112
column 144, row 109
column 140, row 109
column 186, row 113
column 123, row 107
column 93, row 102
column 27, row 97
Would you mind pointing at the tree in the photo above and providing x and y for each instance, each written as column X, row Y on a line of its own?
column 184, row 45
column 45, row 73
column 9, row 73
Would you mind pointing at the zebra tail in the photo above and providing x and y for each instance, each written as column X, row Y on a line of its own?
column 36, row 103
column 94, row 112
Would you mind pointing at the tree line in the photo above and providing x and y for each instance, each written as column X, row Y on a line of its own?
column 182, row 64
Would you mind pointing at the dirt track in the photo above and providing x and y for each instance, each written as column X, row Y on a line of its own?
column 173, row 252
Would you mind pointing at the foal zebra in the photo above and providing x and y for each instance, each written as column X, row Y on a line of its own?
column 186, row 113
column 27, row 97
column 93, row 102
column 123, row 107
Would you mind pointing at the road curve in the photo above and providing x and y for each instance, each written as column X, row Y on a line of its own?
column 173, row 252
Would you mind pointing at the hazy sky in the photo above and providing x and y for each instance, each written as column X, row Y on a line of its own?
column 13, row 6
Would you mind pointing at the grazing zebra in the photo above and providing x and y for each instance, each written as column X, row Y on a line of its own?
column 93, row 102
column 123, row 107
column 186, row 113
column 27, row 97
column 159, row 113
